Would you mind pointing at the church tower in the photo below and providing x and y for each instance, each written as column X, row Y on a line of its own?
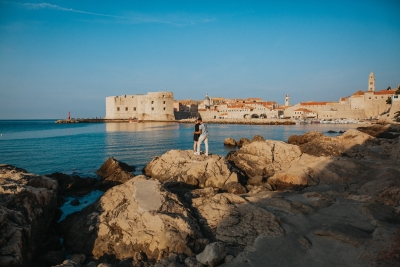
column 371, row 82
column 287, row 101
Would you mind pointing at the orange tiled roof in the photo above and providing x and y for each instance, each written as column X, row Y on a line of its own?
column 253, row 98
column 235, row 105
column 385, row 92
column 303, row 109
column 312, row 103
column 359, row 92
column 343, row 99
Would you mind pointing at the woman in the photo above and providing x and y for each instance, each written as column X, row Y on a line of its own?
column 196, row 135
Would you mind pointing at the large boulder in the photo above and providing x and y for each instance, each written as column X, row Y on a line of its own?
column 197, row 171
column 114, row 172
column 229, row 219
column 137, row 216
column 27, row 205
column 317, row 144
column 261, row 159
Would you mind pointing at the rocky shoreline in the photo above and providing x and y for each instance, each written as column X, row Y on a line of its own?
column 312, row 201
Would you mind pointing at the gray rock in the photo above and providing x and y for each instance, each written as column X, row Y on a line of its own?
column 212, row 255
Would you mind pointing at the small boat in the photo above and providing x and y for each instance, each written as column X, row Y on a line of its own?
column 133, row 120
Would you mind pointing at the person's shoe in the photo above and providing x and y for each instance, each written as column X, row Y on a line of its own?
column 196, row 153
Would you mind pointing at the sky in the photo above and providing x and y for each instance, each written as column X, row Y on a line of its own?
column 58, row 56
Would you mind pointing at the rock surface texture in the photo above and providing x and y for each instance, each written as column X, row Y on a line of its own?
column 320, row 201
column 114, row 172
column 27, row 205
column 138, row 216
column 198, row 171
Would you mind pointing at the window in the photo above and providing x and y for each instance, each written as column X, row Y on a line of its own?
column 152, row 102
column 152, row 108
column 164, row 108
column 117, row 108
column 126, row 108
column 134, row 108
column 164, row 103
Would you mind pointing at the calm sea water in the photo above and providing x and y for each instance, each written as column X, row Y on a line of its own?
column 43, row 147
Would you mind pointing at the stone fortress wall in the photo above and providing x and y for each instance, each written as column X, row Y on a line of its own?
column 154, row 106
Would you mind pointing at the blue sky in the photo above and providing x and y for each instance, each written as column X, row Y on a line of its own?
column 60, row 56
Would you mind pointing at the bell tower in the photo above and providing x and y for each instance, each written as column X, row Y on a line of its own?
column 371, row 82
column 287, row 101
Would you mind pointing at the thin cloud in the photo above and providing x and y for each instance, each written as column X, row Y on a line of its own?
column 55, row 7
column 131, row 19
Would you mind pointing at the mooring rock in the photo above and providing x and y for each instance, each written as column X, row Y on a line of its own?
column 230, row 142
column 198, row 171
column 260, row 160
column 233, row 222
column 212, row 255
column 138, row 216
column 114, row 172
column 27, row 205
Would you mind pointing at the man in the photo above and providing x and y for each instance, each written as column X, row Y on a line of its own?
column 203, row 137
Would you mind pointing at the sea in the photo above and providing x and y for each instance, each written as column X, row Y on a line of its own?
column 44, row 147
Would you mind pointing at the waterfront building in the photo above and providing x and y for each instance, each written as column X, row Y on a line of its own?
column 360, row 105
column 185, row 109
column 154, row 106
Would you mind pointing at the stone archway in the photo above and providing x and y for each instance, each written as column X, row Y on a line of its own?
column 246, row 116
column 255, row 116
column 263, row 116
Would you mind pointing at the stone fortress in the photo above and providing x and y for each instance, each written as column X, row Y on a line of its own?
column 154, row 106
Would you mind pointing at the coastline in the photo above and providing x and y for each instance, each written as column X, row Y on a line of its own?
column 209, row 121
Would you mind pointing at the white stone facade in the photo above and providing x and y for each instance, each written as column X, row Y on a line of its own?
column 154, row 106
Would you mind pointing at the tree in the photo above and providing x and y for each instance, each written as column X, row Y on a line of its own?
column 389, row 88
column 397, row 116
column 389, row 100
column 397, row 92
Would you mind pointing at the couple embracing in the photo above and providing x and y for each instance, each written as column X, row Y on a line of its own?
column 200, row 135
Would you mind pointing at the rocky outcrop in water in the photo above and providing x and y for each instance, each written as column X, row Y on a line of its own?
column 230, row 142
column 27, row 205
column 114, row 172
